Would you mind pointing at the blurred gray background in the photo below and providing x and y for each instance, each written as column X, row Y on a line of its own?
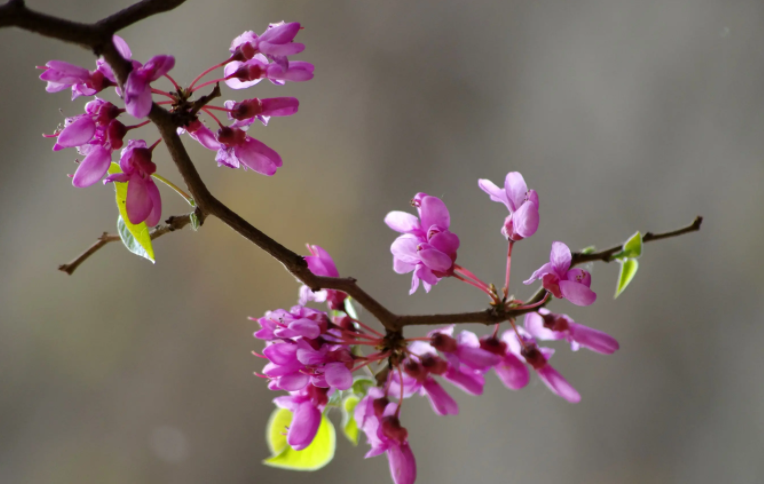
column 623, row 114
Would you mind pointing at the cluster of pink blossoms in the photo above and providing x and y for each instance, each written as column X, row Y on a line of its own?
column 97, row 133
column 312, row 354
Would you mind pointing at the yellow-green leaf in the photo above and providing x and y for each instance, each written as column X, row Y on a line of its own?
column 315, row 456
column 628, row 271
column 139, row 232
column 632, row 248
column 349, row 426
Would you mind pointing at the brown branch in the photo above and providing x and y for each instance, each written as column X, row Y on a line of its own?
column 606, row 255
column 94, row 36
column 98, row 37
column 176, row 222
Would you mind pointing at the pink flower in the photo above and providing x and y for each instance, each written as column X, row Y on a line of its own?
column 143, row 200
column 276, row 42
column 523, row 205
column 427, row 247
column 463, row 350
column 244, row 113
column 546, row 325
column 538, row 359
column 385, row 434
column 239, row 150
column 60, row 74
column 563, row 282
column 306, row 406
column 241, row 75
column 321, row 263
column 202, row 134
column 510, row 369
column 138, row 85
column 95, row 134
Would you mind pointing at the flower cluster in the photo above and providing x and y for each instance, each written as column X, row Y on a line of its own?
column 97, row 133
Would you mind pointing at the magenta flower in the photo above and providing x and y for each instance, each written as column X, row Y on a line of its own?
column 60, row 74
column 237, row 150
column 538, row 359
column 143, row 203
column 427, row 247
column 244, row 113
column 523, row 205
column 510, row 369
column 306, row 406
column 138, row 85
column 418, row 379
column 463, row 350
column 276, row 42
column 561, row 280
column 546, row 325
column 385, row 434
column 241, row 75
column 321, row 263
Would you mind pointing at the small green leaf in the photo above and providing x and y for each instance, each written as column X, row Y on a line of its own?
column 194, row 221
column 588, row 250
column 361, row 385
column 632, row 248
column 315, row 456
column 140, row 233
column 129, row 241
column 628, row 271
column 349, row 426
column 350, row 309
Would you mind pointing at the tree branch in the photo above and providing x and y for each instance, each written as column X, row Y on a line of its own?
column 605, row 255
column 176, row 222
column 98, row 37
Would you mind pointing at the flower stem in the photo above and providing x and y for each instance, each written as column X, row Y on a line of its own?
column 367, row 328
column 175, row 187
column 177, row 87
column 163, row 93
column 213, row 116
column 199, row 77
column 531, row 306
column 214, row 81
column 509, row 267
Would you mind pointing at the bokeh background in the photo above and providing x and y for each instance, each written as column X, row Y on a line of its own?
column 623, row 114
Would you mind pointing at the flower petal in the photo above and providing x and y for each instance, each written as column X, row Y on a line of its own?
column 77, row 133
column 577, row 293
column 92, row 168
column 525, row 221
column 138, row 203
column 515, row 188
column 442, row 403
column 512, row 372
column 338, row 376
column 435, row 259
column 402, row 222
column 304, row 426
column 258, row 157
column 433, row 211
column 593, row 339
column 558, row 384
column 496, row 193
column 560, row 258
column 156, row 203
column 402, row 464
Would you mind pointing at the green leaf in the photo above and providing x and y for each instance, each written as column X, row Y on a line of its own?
column 588, row 250
column 628, row 271
column 194, row 221
column 349, row 426
column 315, row 456
column 129, row 241
column 350, row 309
column 632, row 248
column 361, row 385
column 140, row 242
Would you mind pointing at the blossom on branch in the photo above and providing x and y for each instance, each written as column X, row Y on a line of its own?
column 143, row 204
column 523, row 205
column 562, row 281
column 427, row 247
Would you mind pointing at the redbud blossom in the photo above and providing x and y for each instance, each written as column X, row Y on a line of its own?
column 138, row 85
column 563, row 282
column 546, row 325
column 321, row 263
column 427, row 247
column 143, row 201
column 523, row 205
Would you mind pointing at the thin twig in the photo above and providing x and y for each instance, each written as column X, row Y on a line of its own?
column 605, row 255
column 176, row 222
